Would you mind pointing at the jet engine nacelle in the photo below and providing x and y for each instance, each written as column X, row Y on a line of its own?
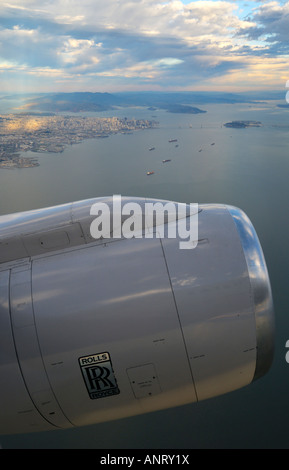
column 93, row 330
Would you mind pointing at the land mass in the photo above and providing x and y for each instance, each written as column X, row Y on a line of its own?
column 176, row 102
column 52, row 133
column 179, row 102
column 243, row 124
column 98, row 102
column 183, row 109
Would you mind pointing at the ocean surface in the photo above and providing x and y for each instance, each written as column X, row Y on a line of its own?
column 248, row 168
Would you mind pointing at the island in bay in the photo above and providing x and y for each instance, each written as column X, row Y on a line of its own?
column 243, row 124
column 46, row 132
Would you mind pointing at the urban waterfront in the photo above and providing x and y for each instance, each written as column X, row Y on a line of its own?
column 208, row 162
column 48, row 133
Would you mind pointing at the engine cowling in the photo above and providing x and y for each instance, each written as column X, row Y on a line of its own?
column 95, row 330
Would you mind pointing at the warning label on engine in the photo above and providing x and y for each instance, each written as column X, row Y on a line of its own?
column 98, row 375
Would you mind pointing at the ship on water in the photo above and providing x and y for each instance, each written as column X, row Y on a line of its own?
column 173, row 140
column 150, row 173
column 151, row 148
column 167, row 160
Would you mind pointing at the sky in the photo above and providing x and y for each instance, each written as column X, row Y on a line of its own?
column 139, row 45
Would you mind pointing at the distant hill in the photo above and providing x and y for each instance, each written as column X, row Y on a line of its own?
column 174, row 102
column 74, row 102
column 184, row 109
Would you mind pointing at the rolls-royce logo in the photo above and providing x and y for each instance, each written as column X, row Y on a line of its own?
column 98, row 375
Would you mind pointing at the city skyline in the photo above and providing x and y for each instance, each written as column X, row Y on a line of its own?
column 112, row 45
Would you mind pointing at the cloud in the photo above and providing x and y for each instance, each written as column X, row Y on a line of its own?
column 106, row 44
column 271, row 25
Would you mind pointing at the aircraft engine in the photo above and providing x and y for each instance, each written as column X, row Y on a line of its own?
column 93, row 330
